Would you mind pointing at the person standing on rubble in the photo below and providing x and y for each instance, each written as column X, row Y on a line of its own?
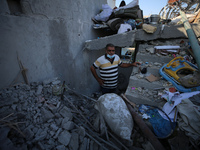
column 108, row 67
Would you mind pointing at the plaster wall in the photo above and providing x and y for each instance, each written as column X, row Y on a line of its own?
column 48, row 37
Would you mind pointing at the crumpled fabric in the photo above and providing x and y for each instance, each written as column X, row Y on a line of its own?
column 190, row 119
column 161, row 127
column 105, row 14
column 124, row 28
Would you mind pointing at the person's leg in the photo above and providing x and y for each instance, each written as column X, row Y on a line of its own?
column 105, row 90
column 113, row 90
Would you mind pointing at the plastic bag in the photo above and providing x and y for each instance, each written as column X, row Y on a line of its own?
column 116, row 114
column 105, row 14
column 124, row 28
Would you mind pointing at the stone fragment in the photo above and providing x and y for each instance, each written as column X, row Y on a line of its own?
column 46, row 114
column 53, row 127
column 52, row 133
column 95, row 146
column 41, row 146
column 66, row 112
column 50, row 120
column 56, row 82
column 48, row 81
column 57, row 133
column 81, row 131
column 69, row 125
column 52, row 108
column 51, row 142
column 28, row 133
column 35, row 130
column 21, row 98
column 39, row 90
column 157, row 64
column 83, row 145
column 8, row 101
column 58, row 121
column 64, row 138
column 41, row 137
column 150, row 93
column 74, row 142
column 14, row 106
column 139, row 89
column 60, row 147
column 159, row 55
column 19, row 107
column 150, row 49
column 140, row 76
column 182, row 53
column 91, row 144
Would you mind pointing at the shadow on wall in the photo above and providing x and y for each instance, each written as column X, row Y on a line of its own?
column 15, row 7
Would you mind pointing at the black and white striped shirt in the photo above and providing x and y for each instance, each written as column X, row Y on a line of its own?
column 108, row 70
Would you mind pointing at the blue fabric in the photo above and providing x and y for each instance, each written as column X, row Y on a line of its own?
column 132, row 23
column 162, row 127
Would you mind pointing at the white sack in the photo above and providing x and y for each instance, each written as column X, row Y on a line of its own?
column 124, row 28
column 116, row 114
column 105, row 14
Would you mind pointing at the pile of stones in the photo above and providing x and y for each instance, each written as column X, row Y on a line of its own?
column 35, row 116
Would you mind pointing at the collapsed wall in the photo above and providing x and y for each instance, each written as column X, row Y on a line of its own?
column 47, row 37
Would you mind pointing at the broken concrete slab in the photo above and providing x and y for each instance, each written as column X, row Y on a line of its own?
column 153, row 58
column 64, row 138
column 119, row 40
column 169, row 32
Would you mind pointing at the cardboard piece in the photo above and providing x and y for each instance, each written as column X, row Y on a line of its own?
column 152, row 78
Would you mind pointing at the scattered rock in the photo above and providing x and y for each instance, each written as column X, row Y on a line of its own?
column 66, row 112
column 64, row 138
column 39, row 90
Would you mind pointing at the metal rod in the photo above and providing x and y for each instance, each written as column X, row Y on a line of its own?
column 192, row 38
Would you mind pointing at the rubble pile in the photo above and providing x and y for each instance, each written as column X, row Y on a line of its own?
column 153, row 61
column 31, row 117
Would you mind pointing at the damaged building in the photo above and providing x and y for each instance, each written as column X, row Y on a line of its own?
column 50, row 99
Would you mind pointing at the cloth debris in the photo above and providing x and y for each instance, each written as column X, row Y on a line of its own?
column 105, row 14
column 190, row 119
column 174, row 100
column 124, row 28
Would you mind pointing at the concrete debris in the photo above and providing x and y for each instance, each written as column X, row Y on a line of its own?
column 42, row 120
column 142, row 91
